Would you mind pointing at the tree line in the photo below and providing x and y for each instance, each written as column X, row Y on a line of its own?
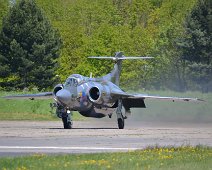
column 39, row 39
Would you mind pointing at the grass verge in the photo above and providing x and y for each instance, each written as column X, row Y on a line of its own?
column 187, row 157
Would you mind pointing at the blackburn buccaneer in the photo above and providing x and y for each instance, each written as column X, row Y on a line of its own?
column 96, row 97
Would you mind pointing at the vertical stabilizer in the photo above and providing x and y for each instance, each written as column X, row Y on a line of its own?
column 116, row 72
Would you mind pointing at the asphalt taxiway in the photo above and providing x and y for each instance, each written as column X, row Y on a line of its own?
column 93, row 135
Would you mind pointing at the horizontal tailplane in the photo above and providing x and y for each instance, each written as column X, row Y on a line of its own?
column 120, row 56
column 114, row 76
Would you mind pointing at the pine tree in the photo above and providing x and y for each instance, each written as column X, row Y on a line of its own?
column 29, row 48
column 197, row 44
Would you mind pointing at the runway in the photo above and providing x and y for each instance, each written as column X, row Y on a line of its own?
column 93, row 135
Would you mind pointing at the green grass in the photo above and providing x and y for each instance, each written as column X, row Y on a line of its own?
column 28, row 109
column 188, row 158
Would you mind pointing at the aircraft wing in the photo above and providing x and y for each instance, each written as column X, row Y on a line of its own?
column 146, row 96
column 187, row 99
column 44, row 95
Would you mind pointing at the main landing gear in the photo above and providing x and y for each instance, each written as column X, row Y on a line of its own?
column 120, row 117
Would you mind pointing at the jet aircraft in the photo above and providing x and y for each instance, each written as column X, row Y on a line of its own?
column 96, row 97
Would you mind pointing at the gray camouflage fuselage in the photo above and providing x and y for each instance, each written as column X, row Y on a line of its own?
column 91, row 97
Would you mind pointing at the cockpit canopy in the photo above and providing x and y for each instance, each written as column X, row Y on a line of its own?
column 74, row 80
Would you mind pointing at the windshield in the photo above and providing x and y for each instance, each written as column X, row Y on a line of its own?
column 71, row 82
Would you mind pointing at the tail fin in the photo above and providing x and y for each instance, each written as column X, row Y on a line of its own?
column 114, row 75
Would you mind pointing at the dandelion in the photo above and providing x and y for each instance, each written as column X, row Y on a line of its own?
column 22, row 168
column 39, row 156
column 88, row 162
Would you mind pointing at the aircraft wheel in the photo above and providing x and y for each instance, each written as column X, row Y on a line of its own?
column 121, row 123
column 66, row 123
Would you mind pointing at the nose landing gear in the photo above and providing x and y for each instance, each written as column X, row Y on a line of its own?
column 66, row 116
column 67, row 122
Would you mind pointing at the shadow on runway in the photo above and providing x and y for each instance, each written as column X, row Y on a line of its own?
column 95, row 128
column 79, row 128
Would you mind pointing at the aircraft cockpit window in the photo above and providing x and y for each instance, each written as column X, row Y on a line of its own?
column 71, row 82
column 75, row 82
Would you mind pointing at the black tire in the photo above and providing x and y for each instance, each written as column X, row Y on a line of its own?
column 66, row 123
column 121, row 123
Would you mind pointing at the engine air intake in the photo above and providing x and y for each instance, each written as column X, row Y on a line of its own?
column 94, row 94
column 57, row 88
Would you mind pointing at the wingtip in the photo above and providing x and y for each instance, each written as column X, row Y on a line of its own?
column 201, row 100
column 6, row 97
column 195, row 100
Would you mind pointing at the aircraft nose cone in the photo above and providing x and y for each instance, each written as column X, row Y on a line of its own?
column 63, row 96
